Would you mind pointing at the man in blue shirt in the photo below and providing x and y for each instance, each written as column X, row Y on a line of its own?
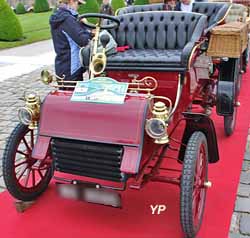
column 68, row 35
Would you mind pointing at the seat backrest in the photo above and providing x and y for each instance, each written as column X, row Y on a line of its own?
column 214, row 11
column 159, row 30
column 141, row 8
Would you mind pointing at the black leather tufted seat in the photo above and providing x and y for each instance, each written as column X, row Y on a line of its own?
column 159, row 40
column 141, row 8
column 214, row 11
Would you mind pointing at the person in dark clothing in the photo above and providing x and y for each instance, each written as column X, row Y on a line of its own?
column 106, row 8
column 178, row 6
column 170, row 5
column 68, row 35
column 129, row 2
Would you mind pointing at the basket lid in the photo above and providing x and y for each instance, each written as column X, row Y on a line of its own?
column 229, row 28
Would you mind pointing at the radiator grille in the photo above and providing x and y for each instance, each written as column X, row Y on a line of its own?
column 91, row 159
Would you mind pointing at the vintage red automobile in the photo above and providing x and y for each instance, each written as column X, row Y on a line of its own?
column 100, row 148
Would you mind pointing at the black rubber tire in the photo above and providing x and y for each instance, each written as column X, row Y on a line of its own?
column 230, row 123
column 23, row 194
column 245, row 59
column 239, row 73
column 187, row 184
column 239, row 83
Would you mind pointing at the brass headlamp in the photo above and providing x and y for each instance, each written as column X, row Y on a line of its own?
column 46, row 77
column 30, row 113
column 156, row 127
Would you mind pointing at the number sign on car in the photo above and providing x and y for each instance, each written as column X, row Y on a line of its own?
column 100, row 90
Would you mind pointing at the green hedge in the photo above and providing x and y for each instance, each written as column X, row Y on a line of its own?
column 91, row 6
column 20, row 8
column 141, row 2
column 41, row 6
column 99, row 2
column 10, row 26
column 116, row 4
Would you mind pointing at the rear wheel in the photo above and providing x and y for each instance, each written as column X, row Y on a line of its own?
column 228, row 90
column 230, row 122
column 193, row 189
column 238, row 75
column 25, row 177
column 245, row 59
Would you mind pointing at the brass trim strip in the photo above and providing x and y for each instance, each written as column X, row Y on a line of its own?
column 178, row 96
column 228, row 10
column 193, row 51
column 117, row 11
column 146, row 84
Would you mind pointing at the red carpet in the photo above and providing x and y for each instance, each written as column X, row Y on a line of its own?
column 52, row 216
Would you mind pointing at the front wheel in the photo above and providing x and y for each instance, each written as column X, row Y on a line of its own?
column 193, row 180
column 25, row 177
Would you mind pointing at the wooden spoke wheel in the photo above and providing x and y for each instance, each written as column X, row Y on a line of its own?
column 193, row 179
column 25, row 177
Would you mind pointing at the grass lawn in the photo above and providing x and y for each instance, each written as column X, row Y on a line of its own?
column 35, row 28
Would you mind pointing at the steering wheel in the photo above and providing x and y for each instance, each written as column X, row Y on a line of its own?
column 115, row 22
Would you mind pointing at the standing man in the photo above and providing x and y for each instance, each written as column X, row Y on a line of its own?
column 68, row 35
column 129, row 2
column 184, row 6
column 106, row 8
column 169, row 5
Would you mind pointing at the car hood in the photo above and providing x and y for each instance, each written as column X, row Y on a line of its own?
column 107, row 123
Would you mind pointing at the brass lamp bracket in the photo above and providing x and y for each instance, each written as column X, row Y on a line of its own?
column 146, row 84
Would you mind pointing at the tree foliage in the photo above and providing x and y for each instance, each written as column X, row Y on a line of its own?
column 41, row 6
column 141, row 2
column 116, row 4
column 20, row 9
column 10, row 26
column 91, row 6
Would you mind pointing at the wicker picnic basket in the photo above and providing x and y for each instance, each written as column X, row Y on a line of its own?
column 238, row 12
column 248, row 23
column 228, row 40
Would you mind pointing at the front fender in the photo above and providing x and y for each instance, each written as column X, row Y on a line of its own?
column 200, row 122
